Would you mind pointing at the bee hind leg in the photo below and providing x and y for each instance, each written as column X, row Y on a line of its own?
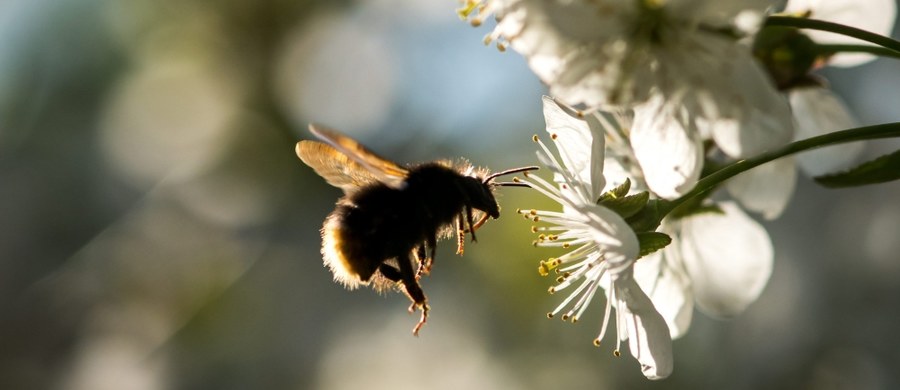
column 412, row 290
column 411, row 286
column 390, row 273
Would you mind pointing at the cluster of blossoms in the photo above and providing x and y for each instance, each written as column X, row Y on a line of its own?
column 666, row 89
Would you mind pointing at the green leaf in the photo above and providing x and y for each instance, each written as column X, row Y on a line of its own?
column 628, row 205
column 652, row 241
column 880, row 170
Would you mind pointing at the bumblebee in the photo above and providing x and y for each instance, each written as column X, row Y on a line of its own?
column 391, row 217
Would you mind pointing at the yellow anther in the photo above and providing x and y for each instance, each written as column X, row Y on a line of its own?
column 466, row 10
column 547, row 265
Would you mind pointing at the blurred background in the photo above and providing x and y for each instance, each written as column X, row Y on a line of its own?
column 158, row 231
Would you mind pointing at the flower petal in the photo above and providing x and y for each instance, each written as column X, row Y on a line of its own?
column 876, row 16
column 580, row 145
column 767, row 188
column 616, row 239
column 661, row 274
column 818, row 111
column 760, row 117
column 648, row 335
column 728, row 257
column 670, row 155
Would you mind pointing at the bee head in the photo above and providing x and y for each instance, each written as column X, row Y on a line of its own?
column 481, row 197
column 487, row 184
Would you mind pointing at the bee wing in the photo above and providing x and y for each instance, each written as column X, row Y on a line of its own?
column 346, row 164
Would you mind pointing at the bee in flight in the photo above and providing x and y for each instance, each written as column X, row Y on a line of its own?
column 391, row 216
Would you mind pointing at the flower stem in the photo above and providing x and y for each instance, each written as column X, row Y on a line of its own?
column 713, row 180
column 877, row 50
column 814, row 24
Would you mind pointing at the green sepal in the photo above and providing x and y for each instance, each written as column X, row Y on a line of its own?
column 652, row 241
column 787, row 54
column 627, row 206
column 619, row 192
column 648, row 218
column 880, row 170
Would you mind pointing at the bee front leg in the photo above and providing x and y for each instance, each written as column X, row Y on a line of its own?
column 480, row 222
column 413, row 291
column 471, row 224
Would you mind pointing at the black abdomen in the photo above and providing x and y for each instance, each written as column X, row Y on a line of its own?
column 380, row 223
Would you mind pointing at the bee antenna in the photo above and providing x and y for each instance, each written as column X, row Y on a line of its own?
column 511, row 184
column 509, row 171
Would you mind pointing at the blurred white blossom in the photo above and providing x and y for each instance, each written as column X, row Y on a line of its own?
column 682, row 55
column 766, row 189
column 819, row 111
column 603, row 246
column 816, row 110
column 670, row 155
column 876, row 16
column 719, row 260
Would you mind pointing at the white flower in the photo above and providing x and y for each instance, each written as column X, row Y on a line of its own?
column 876, row 16
column 602, row 245
column 622, row 53
column 719, row 260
